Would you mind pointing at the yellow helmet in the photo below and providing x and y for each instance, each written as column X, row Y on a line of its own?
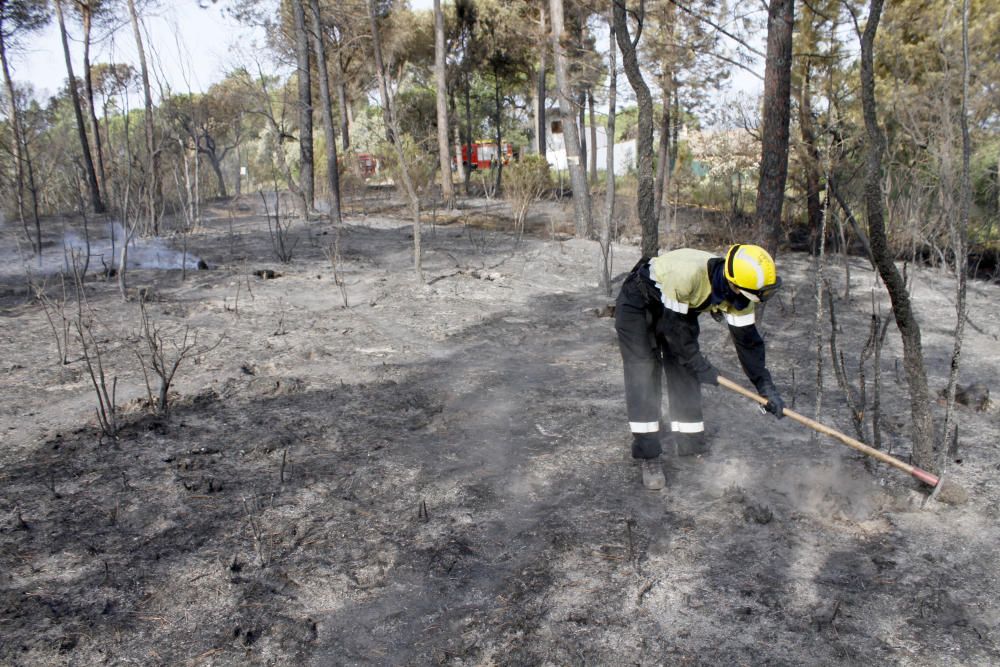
column 751, row 269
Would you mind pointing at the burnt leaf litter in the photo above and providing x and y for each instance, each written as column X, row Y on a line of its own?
column 439, row 474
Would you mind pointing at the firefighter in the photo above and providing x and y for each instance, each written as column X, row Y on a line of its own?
column 656, row 317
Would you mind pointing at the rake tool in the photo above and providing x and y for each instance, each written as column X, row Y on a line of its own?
column 945, row 491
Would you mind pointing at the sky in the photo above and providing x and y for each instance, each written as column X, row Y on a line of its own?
column 195, row 48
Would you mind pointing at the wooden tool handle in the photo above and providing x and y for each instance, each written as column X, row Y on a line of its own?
column 922, row 475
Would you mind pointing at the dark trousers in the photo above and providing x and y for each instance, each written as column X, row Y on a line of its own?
column 646, row 355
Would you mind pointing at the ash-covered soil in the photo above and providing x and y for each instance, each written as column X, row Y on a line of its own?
column 438, row 473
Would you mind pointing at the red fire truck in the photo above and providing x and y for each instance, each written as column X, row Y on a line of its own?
column 484, row 153
column 368, row 163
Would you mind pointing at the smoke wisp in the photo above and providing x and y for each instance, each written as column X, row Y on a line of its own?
column 105, row 253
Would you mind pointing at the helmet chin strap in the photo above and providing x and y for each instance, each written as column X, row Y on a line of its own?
column 735, row 288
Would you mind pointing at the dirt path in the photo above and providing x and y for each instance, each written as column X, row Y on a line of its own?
column 438, row 474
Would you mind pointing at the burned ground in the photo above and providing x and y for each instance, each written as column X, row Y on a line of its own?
column 438, row 474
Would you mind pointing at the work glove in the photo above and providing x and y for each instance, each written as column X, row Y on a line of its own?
column 704, row 370
column 775, row 405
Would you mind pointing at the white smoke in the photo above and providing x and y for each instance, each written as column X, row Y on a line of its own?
column 105, row 253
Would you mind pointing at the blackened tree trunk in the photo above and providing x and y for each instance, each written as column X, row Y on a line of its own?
column 814, row 207
column 583, row 222
column 329, row 134
column 153, row 187
column 441, row 79
column 469, row 148
column 541, row 129
column 87, row 14
column 467, row 16
column 607, row 234
column 343, row 105
column 593, row 134
column 215, row 161
column 307, row 179
column 81, row 128
column 675, row 136
column 498, row 121
column 913, row 358
column 662, row 184
column 467, row 139
column 582, row 106
column 644, row 142
column 960, row 243
column 776, row 116
column 460, row 169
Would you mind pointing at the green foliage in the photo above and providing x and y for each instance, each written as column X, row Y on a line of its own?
column 20, row 17
column 985, row 178
column 418, row 114
column 368, row 130
column 627, row 121
column 421, row 167
column 524, row 183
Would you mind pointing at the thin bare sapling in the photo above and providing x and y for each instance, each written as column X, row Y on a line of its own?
column 525, row 183
column 261, row 540
column 336, row 263
column 92, row 347
column 56, row 308
column 160, row 353
column 819, row 281
column 487, row 181
column 479, row 239
column 857, row 397
column 189, row 206
column 71, row 255
column 243, row 278
column 279, row 228
column 959, row 230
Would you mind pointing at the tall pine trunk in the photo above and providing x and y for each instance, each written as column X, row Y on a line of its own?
column 593, row 134
column 582, row 106
column 662, row 184
column 607, row 234
column 329, row 134
column 913, row 358
column 498, row 123
column 441, row 79
column 88, row 88
column 460, row 169
column 468, row 132
column 307, row 179
column 959, row 238
column 541, row 130
column 814, row 205
column 344, row 108
column 81, row 128
column 583, row 222
column 776, row 116
column 153, row 187
column 644, row 141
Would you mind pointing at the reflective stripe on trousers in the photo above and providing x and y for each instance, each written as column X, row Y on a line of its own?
column 645, row 359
